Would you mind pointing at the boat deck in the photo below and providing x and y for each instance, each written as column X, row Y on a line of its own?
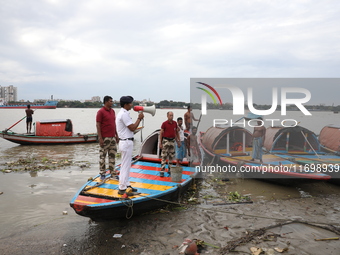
column 143, row 175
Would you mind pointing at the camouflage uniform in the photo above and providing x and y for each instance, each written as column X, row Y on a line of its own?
column 110, row 148
column 167, row 151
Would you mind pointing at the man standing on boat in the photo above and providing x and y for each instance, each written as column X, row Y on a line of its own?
column 180, row 150
column 167, row 137
column 107, row 136
column 188, row 117
column 125, row 128
column 29, row 118
column 193, row 148
column 258, row 140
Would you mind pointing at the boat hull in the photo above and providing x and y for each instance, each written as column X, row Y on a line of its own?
column 48, row 140
column 33, row 107
column 104, row 202
column 47, row 105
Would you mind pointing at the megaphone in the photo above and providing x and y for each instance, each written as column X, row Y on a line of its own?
column 148, row 109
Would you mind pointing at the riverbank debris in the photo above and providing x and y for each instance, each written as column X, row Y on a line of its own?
column 39, row 164
column 327, row 239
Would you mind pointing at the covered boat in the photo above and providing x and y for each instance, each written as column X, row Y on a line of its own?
column 293, row 140
column 101, row 201
column 49, row 132
column 329, row 138
column 233, row 146
column 302, row 146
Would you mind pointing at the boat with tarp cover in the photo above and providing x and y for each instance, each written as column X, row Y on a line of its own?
column 301, row 145
column 329, row 139
column 49, row 132
column 99, row 200
column 233, row 146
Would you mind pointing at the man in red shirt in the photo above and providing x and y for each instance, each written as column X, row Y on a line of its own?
column 167, row 137
column 107, row 136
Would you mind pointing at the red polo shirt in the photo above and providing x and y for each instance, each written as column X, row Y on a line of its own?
column 169, row 129
column 107, row 119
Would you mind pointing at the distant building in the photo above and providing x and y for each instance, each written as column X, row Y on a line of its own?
column 95, row 99
column 8, row 94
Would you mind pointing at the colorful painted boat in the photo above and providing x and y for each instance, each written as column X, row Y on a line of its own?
column 101, row 201
column 329, row 139
column 49, row 132
column 233, row 146
column 301, row 145
column 46, row 105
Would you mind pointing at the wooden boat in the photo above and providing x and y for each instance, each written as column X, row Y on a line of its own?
column 329, row 139
column 301, row 145
column 49, row 132
column 46, row 105
column 101, row 201
column 233, row 145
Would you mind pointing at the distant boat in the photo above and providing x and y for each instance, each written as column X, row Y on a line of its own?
column 50, row 132
column 47, row 105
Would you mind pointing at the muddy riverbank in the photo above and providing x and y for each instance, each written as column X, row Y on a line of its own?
column 32, row 220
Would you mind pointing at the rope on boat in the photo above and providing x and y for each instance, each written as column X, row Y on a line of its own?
column 162, row 200
column 129, row 203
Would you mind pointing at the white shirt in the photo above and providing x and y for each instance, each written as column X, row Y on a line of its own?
column 123, row 120
column 181, row 133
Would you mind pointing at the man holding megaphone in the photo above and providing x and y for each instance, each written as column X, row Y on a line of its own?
column 125, row 128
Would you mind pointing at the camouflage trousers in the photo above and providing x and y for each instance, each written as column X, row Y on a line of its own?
column 167, row 151
column 109, row 148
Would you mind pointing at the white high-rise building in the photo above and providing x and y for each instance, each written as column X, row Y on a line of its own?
column 8, row 94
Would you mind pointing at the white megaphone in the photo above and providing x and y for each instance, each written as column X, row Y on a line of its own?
column 148, row 109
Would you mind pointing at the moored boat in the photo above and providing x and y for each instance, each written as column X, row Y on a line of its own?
column 233, row 146
column 46, row 105
column 49, row 132
column 301, row 145
column 101, row 201
column 329, row 139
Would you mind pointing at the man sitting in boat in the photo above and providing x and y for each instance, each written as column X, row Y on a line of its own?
column 167, row 138
column 258, row 140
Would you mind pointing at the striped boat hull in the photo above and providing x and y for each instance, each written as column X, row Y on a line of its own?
column 104, row 203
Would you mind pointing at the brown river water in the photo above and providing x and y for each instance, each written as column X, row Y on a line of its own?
column 33, row 204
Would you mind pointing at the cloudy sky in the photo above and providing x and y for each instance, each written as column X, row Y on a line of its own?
column 150, row 49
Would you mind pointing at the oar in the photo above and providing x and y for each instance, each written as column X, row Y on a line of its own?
column 15, row 124
column 239, row 119
column 141, row 132
column 199, row 120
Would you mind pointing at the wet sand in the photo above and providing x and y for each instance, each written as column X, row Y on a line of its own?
column 32, row 221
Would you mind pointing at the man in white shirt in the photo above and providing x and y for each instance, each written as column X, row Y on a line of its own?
column 125, row 128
